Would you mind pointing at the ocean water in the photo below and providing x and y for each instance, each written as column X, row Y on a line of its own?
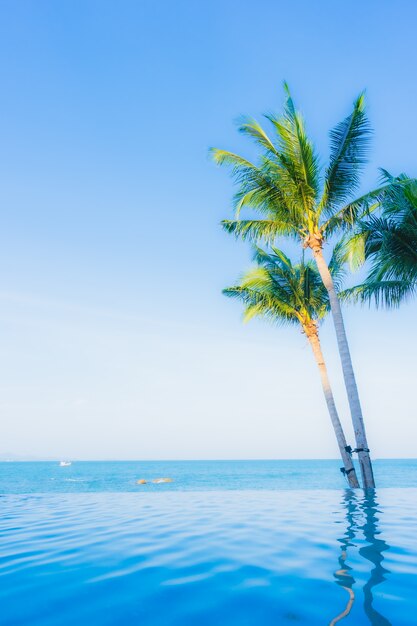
column 99, row 476
column 252, row 551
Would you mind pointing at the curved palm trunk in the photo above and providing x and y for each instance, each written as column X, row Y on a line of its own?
column 348, row 374
column 350, row 471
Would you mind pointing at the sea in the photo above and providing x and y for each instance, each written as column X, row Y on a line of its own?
column 233, row 543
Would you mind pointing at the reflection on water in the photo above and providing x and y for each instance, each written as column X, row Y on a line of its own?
column 361, row 520
column 242, row 558
column 343, row 575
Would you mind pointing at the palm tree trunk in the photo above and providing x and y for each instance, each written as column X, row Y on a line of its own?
column 350, row 471
column 348, row 374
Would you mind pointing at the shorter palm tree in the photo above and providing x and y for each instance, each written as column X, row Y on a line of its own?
column 389, row 242
column 294, row 294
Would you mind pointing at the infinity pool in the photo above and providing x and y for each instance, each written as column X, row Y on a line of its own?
column 255, row 558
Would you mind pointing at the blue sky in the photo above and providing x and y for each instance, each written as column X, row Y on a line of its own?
column 115, row 339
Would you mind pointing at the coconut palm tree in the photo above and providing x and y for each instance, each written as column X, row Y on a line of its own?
column 296, row 198
column 294, row 294
column 389, row 242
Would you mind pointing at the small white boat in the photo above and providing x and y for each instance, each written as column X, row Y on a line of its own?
column 64, row 463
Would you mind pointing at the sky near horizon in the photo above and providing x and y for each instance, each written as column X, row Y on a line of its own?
column 115, row 339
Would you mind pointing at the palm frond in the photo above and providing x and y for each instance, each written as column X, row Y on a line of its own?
column 389, row 240
column 251, row 128
column 255, row 230
column 296, row 152
column 282, row 257
column 392, row 196
column 230, row 159
column 243, row 198
column 346, row 217
column 383, row 294
column 349, row 145
column 354, row 250
column 260, row 304
column 396, row 256
column 260, row 187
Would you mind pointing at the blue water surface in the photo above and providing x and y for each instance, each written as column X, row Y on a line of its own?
column 98, row 476
column 166, row 554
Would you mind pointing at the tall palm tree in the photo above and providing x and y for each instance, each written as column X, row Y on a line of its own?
column 389, row 242
column 296, row 198
column 294, row 294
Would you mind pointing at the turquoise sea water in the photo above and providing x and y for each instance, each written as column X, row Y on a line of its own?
column 41, row 477
column 230, row 543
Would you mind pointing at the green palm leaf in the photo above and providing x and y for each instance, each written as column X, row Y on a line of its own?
column 253, row 129
column 255, row 230
column 383, row 294
column 349, row 145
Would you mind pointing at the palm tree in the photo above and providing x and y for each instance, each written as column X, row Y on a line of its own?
column 296, row 198
column 389, row 242
column 294, row 294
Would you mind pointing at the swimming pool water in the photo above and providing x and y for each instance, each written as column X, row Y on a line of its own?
column 230, row 557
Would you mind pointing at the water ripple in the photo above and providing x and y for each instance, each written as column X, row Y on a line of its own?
column 206, row 558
